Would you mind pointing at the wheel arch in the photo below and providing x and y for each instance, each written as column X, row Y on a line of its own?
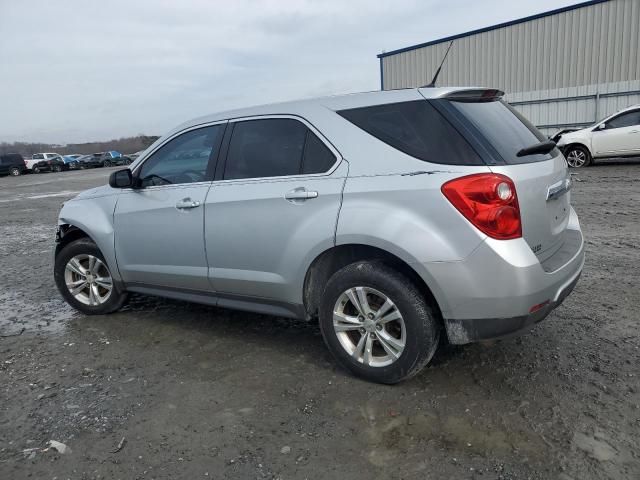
column 333, row 259
column 68, row 233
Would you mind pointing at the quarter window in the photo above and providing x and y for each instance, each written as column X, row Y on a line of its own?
column 415, row 128
column 184, row 159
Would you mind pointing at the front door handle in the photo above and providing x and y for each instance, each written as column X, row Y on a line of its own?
column 187, row 203
column 634, row 131
column 300, row 194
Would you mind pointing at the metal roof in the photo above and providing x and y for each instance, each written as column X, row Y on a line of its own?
column 494, row 27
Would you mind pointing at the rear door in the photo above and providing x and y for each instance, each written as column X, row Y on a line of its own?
column 542, row 180
column 620, row 135
column 273, row 206
column 159, row 225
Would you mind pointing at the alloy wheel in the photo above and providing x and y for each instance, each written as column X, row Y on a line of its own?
column 369, row 326
column 88, row 279
column 576, row 158
column 14, row 171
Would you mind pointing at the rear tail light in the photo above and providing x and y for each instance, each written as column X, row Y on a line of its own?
column 489, row 202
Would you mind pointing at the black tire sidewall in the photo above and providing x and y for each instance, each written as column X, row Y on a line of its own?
column 422, row 328
column 77, row 247
column 14, row 169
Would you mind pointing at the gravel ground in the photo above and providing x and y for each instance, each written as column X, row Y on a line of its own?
column 202, row 392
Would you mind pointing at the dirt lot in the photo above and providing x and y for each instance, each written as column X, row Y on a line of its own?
column 201, row 392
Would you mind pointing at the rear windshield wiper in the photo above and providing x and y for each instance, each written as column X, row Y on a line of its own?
column 542, row 147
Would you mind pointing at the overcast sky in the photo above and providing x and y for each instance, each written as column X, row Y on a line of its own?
column 77, row 70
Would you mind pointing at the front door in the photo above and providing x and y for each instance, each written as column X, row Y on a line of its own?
column 159, row 225
column 273, row 209
column 620, row 136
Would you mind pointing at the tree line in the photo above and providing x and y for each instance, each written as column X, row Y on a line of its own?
column 122, row 145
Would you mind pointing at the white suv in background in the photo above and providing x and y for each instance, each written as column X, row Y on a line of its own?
column 615, row 136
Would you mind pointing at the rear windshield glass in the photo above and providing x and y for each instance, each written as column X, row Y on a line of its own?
column 504, row 128
column 417, row 129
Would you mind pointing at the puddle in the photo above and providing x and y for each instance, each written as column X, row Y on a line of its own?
column 18, row 313
column 388, row 436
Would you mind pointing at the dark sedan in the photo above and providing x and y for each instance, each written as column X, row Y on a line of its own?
column 89, row 161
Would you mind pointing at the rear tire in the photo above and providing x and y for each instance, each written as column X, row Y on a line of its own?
column 35, row 169
column 578, row 156
column 14, row 172
column 392, row 350
column 57, row 168
column 106, row 163
column 73, row 265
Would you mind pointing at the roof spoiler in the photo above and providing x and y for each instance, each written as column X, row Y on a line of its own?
column 475, row 95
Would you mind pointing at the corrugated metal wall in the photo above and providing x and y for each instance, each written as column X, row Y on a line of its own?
column 595, row 44
column 553, row 110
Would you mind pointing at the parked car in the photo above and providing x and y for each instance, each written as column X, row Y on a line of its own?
column 392, row 217
column 53, row 164
column 614, row 137
column 112, row 158
column 89, row 161
column 46, row 162
column 134, row 156
column 12, row 164
column 71, row 161
column 556, row 137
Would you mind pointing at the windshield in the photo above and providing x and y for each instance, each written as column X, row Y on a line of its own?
column 504, row 128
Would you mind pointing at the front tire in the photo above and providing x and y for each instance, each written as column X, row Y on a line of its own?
column 35, row 169
column 84, row 280
column 377, row 323
column 578, row 156
column 106, row 163
column 57, row 168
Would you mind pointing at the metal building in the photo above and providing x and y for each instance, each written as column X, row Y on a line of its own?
column 564, row 68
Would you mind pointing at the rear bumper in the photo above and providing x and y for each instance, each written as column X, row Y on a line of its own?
column 503, row 288
column 464, row 331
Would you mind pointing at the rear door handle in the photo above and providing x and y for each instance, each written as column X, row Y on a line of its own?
column 300, row 194
column 186, row 203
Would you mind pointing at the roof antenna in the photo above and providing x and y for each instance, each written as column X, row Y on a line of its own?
column 435, row 77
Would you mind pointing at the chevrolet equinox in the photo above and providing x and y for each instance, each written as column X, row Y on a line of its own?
column 390, row 217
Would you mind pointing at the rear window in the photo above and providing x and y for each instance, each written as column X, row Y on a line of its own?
column 504, row 128
column 417, row 129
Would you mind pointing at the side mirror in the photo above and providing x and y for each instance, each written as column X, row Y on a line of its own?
column 121, row 179
column 602, row 126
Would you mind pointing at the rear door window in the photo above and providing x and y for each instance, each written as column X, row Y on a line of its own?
column 417, row 129
column 504, row 128
column 270, row 147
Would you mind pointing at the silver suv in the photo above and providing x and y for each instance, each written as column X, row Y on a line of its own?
column 391, row 217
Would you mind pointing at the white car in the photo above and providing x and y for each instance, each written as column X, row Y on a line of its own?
column 37, row 158
column 615, row 136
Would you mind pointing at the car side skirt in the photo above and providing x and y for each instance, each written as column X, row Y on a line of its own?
column 265, row 306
